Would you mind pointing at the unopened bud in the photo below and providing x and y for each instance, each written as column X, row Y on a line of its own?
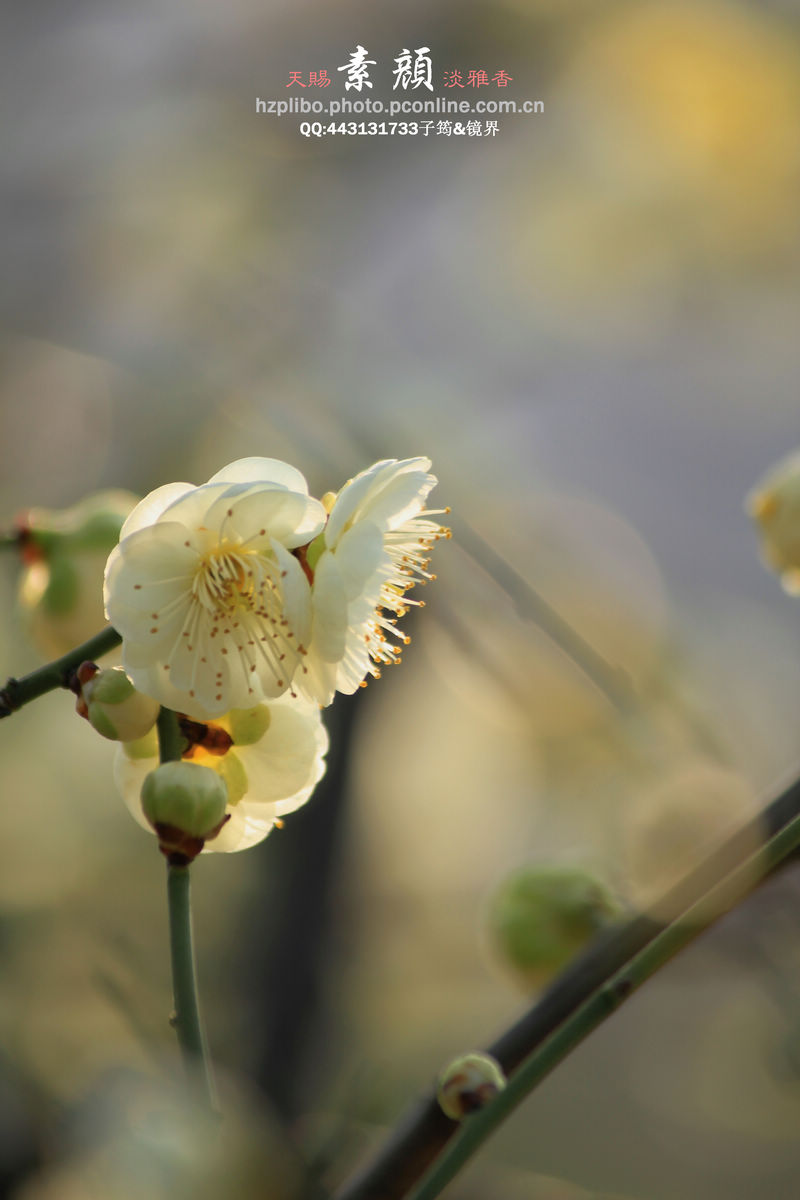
column 185, row 803
column 775, row 507
column 469, row 1083
column 111, row 704
column 542, row 916
column 64, row 553
column 94, row 523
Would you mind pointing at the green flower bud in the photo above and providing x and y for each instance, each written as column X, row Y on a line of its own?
column 109, row 687
column 113, row 706
column 64, row 553
column 542, row 916
column 61, row 589
column 101, row 521
column 469, row 1083
column 94, row 523
column 185, row 803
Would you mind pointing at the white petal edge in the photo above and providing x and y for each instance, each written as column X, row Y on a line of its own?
column 148, row 511
column 262, row 470
column 360, row 496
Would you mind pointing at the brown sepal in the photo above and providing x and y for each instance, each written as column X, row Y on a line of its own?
column 180, row 847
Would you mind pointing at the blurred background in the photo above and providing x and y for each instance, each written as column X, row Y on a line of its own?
column 589, row 323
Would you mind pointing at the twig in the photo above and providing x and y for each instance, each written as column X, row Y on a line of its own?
column 424, row 1131
column 55, row 674
column 603, row 1002
column 186, row 1017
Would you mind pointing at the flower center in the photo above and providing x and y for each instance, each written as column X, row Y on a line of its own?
column 228, row 581
column 236, row 608
column 211, row 737
column 210, row 745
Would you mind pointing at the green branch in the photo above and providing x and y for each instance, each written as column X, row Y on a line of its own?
column 171, row 742
column 186, row 1019
column 18, row 692
column 605, row 1001
column 602, row 977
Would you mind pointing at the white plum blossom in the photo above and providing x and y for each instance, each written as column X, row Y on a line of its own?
column 213, row 607
column 372, row 551
column 234, row 592
column 270, row 757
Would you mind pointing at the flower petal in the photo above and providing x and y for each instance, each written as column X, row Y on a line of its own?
column 148, row 511
column 296, row 595
column 382, row 494
column 149, row 569
column 317, row 680
column 154, row 681
column 254, row 514
column 129, row 775
column 354, row 666
column 330, row 609
column 358, row 557
column 263, row 471
column 246, row 827
column 287, row 759
column 401, row 496
column 351, row 496
column 191, row 509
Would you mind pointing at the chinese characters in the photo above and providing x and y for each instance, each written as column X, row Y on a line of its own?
column 357, row 73
column 416, row 75
column 413, row 69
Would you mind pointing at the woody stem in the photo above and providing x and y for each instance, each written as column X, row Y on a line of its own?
column 55, row 674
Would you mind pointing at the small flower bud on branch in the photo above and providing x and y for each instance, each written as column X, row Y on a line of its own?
column 469, row 1083
column 111, row 704
column 63, row 553
column 185, row 803
column 543, row 915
